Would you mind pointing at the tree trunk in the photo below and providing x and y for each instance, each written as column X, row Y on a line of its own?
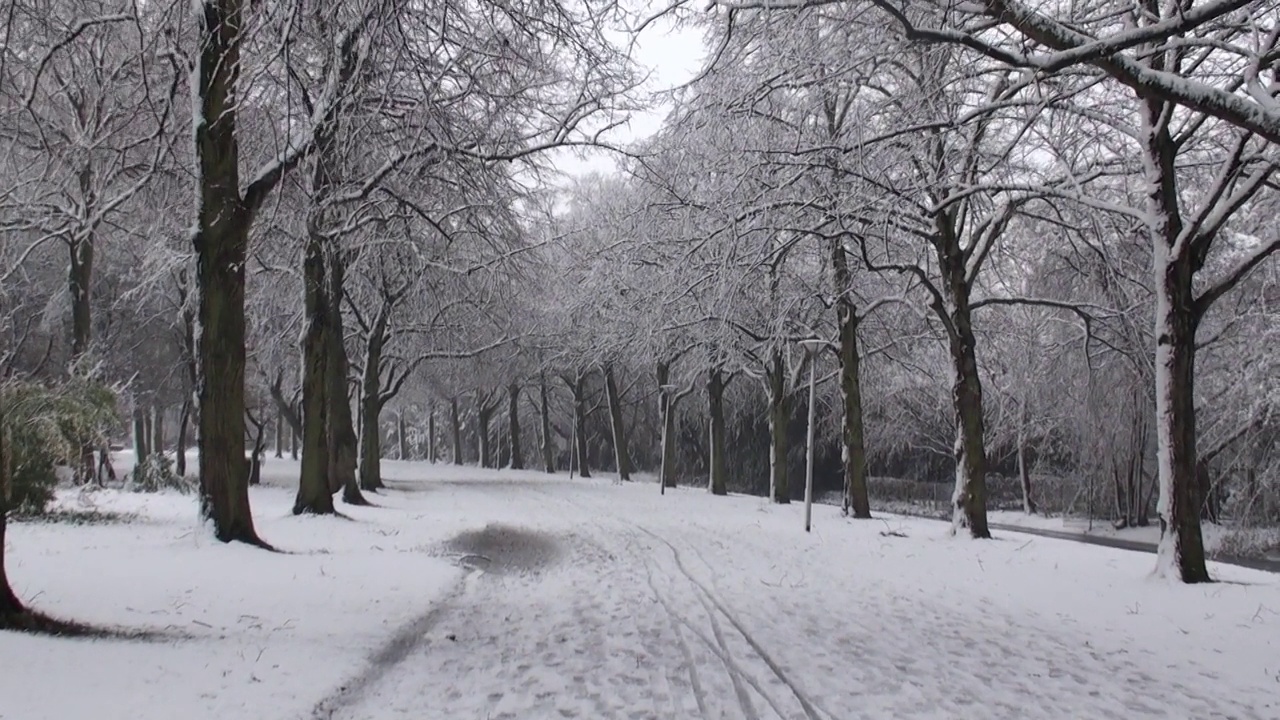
column 315, row 488
column 255, row 458
column 279, row 435
column 293, row 445
column 255, row 467
column 779, row 418
column 717, row 480
column 1181, row 547
column 148, row 431
column 970, row 498
column 1024, row 475
column 224, row 487
column 141, row 451
column 157, row 430
column 666, row 412
column 180, row 455
column 513, row 426
column 191, row 396
column 856, row 502
column 371, row 406
column 1024, row 472
column 402, row 441
column 432, row 454
column 621, row 456
column 343, row 450
column 220, row 241
column 10, row 606
column 79, row 277
column 456, row 424
column 371, row 445
column 544, row 412
column 483, row 414
column 580, row 424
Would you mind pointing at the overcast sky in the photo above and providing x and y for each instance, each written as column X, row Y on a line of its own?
column 674, row 55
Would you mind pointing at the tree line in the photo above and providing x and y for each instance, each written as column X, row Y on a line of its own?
column 1018, row 237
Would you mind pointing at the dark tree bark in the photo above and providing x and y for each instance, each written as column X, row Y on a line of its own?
column 856, row 502
column 1179, row 504
column 513, row 426
column 486, row 405
column 1024, row 472
column 79, row 277
column 13, row 614
column 343, row 449
column 1177, row 317
column 371, row 403
column 370, row 444
column 220, row 241
column 80, row 274
column 180, row 455
column 544, row 416
column 969, row 501
column 717, row 471
column 579, row 387
column 11, row 609
column 157, row 430
column 970, row 498
column 259, row 443
column 315, row 485
column 779, row 418
column 148, row 431
column 666, row 408
column 432, row 454
column 141, row 448
column 455, row 425
column 616, row 424
column 402, row 440
column 279, row 435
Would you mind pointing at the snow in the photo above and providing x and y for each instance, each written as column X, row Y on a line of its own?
column 593, row 599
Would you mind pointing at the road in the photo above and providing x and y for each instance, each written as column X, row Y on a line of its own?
column 1266, row 564
column 598, row 600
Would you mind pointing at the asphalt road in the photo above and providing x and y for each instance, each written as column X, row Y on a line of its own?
column 1268, row 564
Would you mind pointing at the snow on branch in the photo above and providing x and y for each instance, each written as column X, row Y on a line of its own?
column 1233, row 278
column 76, row 31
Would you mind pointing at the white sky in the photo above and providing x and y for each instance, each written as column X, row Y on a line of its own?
column 674, row 55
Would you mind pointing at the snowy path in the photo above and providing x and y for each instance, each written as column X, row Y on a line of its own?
column 688, row 606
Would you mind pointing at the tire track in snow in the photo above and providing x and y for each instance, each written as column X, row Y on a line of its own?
column 739, row 678
column 810, row 710
column 713, row 606
column 719, row 649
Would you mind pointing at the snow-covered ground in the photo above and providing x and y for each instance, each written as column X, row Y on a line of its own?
column 482, row 594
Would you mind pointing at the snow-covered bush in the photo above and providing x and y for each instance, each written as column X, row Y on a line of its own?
column 1250, row 542
column 155, row 474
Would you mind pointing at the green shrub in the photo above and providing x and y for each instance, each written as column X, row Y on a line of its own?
column 47, row 426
